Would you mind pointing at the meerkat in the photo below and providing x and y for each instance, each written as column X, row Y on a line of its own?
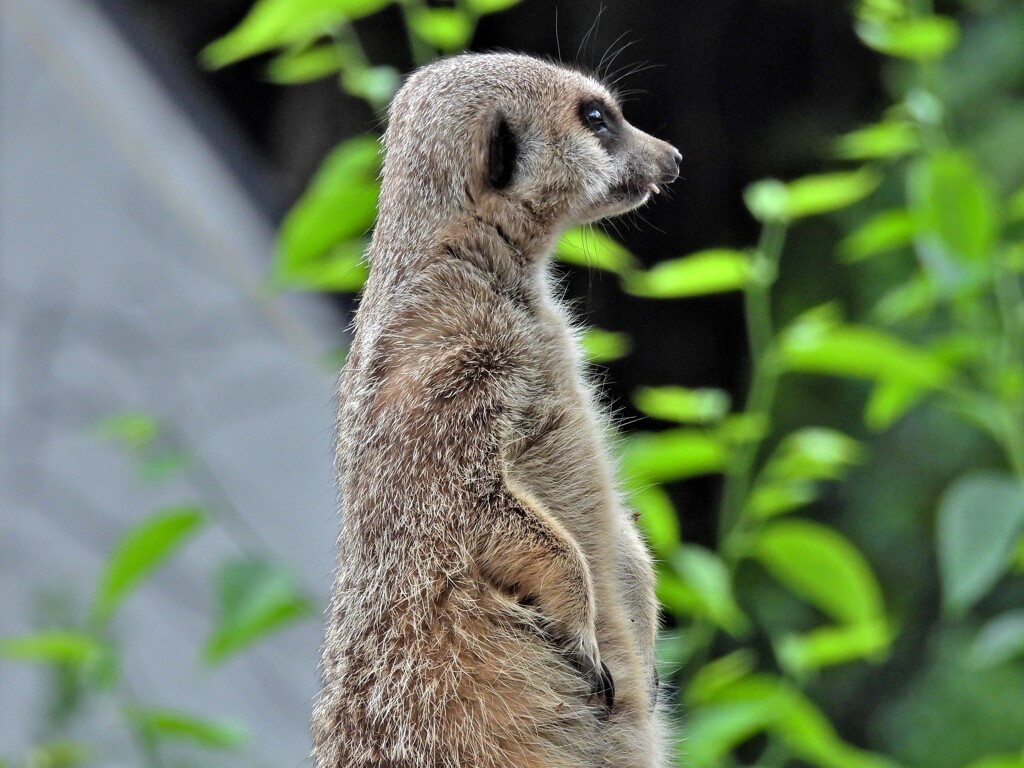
column 494, row 602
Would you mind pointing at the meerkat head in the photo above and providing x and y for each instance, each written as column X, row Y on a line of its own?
column 559, row 143
column 518, row 141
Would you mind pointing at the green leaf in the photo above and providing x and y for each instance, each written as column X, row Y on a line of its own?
column 719, row 674
column 924, row 106
column 999, row 761
column 764, row 703
column 279, row 23
column 816, row 343
column 446, row 28
column 924, row 38
column 65, row 647
column 1018, row 556
column 589, row 247
column 305, row 65
column 172, row 725
column 166, row 465
column 998, row 641
column 1015, row 207
column 142, row 550
column 374, row 84
column 1013, row 257
column 674, row 649
column 954, row 207
column 741, row 429
column 774, row 201
column 677, row 597
column 803, row 728
column 980, row 516
column 324, row 229
column 828, row 646
column 134, row 430
column 823, row 568
column 890, row 138
column 698, row 274
column 671, row 455
column 256, row 599
column 773, row 498
column 914, row 298
column 706, row 575
column 657, row 518
column 712, row 732
column 882, row 10
column 889, row 400
column 58, row 754
column 344, row 270
column 601, row 346
column 685, row 406
column 810, row 454
column 484, row 7
column 813, row 453
column 883, row 233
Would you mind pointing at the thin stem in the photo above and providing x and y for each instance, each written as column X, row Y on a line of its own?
column 422, row 53
column 353, row 57
column 1008, row 433
column 740, row 475
column 1008, row 298
column 757, row 294
column 146, row 744
column 764, row 376
column 1013, row 442
column 775, row 755
column 703, row 635
column 1009, row 301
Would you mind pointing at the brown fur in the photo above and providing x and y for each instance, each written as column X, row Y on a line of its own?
column 487, row 565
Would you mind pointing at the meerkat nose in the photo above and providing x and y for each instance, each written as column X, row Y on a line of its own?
column 671, row 165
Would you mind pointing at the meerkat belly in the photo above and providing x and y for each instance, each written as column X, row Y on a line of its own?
column 563, row 462
column 566, row 468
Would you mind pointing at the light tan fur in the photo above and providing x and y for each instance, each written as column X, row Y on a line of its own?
column 489, row 573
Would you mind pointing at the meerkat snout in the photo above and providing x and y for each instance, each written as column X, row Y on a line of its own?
column 634, row 166
column 672, row 161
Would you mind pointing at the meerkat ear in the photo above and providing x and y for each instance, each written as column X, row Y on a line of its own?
column 502, row 153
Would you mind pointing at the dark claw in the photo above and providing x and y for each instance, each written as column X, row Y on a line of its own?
column 655, row 688
column 607, row 690
column 602, row 686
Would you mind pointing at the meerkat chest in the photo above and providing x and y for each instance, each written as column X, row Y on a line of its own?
column 559, row 452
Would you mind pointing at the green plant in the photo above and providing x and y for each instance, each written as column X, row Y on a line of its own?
column 82, row 649
column 928, row 211
column 948, row 336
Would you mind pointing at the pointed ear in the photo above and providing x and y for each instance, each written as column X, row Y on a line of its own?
column 502, row 153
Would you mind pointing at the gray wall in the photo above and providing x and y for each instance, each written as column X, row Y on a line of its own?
column 131, row 278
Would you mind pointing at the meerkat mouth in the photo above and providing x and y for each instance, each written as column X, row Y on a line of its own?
column 636, row 191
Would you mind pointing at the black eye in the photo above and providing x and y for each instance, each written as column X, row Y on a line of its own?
column 592, row 115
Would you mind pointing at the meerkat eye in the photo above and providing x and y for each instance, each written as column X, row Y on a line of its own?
column 593, row 116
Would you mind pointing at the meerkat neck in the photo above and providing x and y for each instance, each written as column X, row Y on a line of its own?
column 511, row 252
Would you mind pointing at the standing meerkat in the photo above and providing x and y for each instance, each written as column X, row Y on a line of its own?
column 494, row 603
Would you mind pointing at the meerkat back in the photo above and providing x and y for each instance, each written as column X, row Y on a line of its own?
column 493, row 604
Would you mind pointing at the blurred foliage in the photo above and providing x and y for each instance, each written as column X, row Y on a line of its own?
column 85, row 655
column 786, row 646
